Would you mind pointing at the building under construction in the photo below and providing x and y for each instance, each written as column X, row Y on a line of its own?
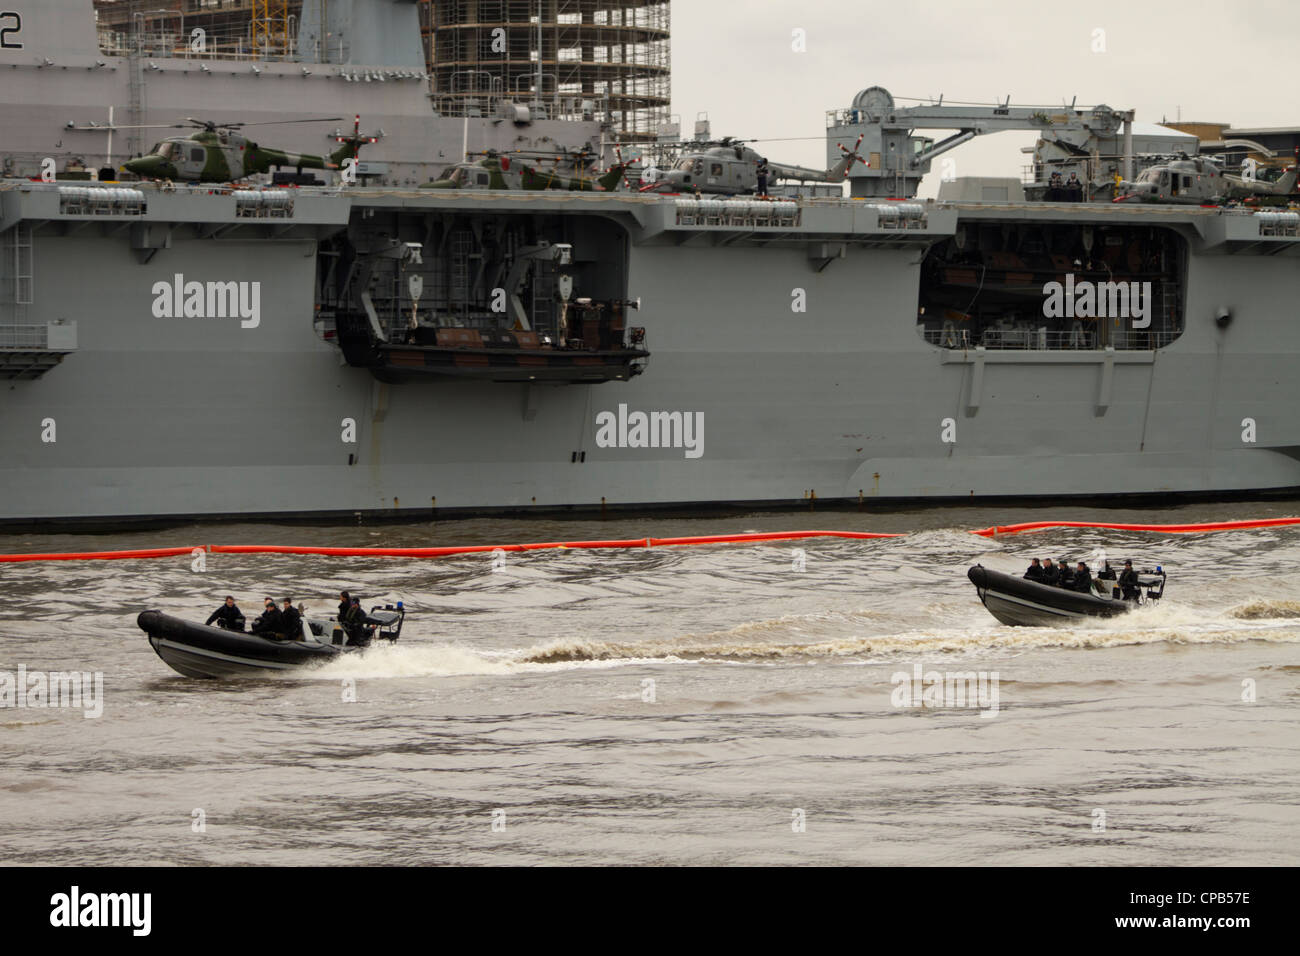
column 557, row 59
column 248, row 29
column 612, row 57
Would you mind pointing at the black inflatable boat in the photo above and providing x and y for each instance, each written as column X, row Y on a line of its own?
column 1013, row 600
column 198, row 650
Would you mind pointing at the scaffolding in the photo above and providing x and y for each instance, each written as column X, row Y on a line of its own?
column 270, row 23
column 564, row 59
column 231, row 29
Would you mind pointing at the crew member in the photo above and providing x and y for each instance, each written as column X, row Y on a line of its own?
column 291, row 620
column 1053, row 192
column 355, row 624
column 1035, row 572
column 1067, row 576
column 345, row 602
column 762, row 177
column 271, row 622
column 1082, row 579
column 1074, row 189
column 1128, row 582
column 1051, row 573
column 228, row 616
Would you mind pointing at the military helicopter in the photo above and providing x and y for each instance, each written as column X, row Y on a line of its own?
column 218, row 153
column 728, row 168
column 1198, row 182
column 584, row 181
column 498, row 171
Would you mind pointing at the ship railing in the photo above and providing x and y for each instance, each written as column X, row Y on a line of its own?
column 23, row 338
column 206, row 41
column 1083, row 339
column 132, row 197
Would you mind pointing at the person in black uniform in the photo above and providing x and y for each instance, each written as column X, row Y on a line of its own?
column 355, row 624
column 1128, row 582
column 228, row 616
column 292, row 621
column 1035, row 572
column 1053, row 192
column 345, row 602
column 1067, row 576
column 1073, row 189
column 762, row 177
column 271, row 622
column 1051, row 573
column 1082, row 579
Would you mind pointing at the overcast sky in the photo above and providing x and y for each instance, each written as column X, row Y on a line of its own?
column 1218, row 62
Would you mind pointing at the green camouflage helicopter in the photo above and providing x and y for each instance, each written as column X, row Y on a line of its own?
column 496, row 171
column 218, row 153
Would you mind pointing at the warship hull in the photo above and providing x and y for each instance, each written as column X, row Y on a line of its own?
column 193, row 415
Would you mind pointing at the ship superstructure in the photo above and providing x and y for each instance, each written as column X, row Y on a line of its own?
column 185, row 351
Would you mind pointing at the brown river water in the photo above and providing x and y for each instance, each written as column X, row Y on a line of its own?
column 677, row 705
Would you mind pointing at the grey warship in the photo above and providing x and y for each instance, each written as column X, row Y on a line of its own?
column 173, row 350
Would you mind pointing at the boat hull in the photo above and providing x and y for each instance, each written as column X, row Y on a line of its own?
column 1018, row 602
column 196, row 650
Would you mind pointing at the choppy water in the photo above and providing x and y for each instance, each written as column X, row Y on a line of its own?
column 527, row 691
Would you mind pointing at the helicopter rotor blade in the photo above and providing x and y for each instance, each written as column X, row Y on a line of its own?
column 105, row 127
column 327, row 119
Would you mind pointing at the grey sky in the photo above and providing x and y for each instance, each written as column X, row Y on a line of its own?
column 1218, row 62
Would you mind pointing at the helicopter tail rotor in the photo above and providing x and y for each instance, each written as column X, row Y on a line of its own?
column 852, row 155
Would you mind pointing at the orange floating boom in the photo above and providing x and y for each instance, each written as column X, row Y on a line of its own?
column 624, row 542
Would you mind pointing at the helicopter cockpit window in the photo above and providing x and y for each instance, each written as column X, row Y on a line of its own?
column 456, row 175
column 164, row 150
column 1150, row 176
column 683, row 164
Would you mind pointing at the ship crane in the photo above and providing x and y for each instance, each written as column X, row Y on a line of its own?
column 897, row 159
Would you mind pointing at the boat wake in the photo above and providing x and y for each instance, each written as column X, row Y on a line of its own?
column 776, row 641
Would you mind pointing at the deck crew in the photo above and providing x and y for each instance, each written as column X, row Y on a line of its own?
column 1073, row 189
column 1035, row 572
column 271, row 622
column 1128, row 582
column 762, row 177
column 228, row 616
column 1051, row 573
column 1082, row 579
column 1053, row 191
column 291, row 620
